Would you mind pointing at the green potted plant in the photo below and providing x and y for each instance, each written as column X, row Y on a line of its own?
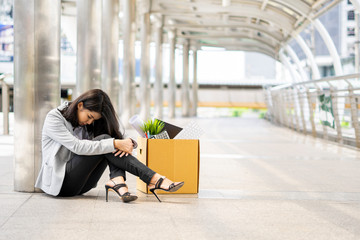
column 152, row 127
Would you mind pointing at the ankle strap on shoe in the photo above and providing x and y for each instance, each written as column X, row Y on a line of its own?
column 159, row 182
column 118, row 186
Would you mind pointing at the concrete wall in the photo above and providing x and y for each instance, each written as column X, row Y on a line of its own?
column 222, row 97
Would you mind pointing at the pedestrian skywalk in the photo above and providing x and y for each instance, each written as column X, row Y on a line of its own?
column 257, row 181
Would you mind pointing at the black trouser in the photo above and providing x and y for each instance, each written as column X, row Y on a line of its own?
column 83, row 172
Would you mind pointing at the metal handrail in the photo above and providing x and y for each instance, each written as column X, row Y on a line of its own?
column 294, row 105
column 326, row 79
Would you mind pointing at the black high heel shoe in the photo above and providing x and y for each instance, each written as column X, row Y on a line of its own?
column 172, row 187
column 126, row 197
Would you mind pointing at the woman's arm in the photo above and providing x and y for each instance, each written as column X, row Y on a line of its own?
column 133, row 141
column 124, row 146
column 55, row 128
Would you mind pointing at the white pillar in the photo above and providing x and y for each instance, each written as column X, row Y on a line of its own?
column 185, row 96
column 127, row 98
column 88, row 45
column 109, row 51
column 36, row 82
column 133, row 102
column 145, row 69
column 5, row 106
column 158, row 86
column 172, row 83
column 195, row 86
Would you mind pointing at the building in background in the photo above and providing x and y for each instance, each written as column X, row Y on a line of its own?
column 6, row 36
column 6, row 43
column 340, row 23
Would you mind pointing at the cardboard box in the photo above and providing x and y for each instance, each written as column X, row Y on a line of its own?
column 177, row 159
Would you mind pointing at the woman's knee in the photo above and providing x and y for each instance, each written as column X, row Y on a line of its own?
column 102, row 136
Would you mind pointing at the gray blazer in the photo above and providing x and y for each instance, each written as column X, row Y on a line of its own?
column 58, row 146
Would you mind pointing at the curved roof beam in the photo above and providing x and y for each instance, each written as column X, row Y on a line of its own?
column 274, row 16
column 285, row 61
column 316, row 8
column 301, row 7
column 214, row 21
column 244, row 47
column 298, row 7
column 254, row 28
column 280, row 22
column 330, row 45
column 309, row 55
column 234, row 37
column 276, row 20
column 256, row 40
column 267, row 30
column 265, row 37
column 296, row 60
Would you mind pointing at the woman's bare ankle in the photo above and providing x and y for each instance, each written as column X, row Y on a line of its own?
column 118, row 180
column 165, row 184
column 115, row 180
column 154, row 179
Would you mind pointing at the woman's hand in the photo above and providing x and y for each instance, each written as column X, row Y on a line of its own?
column 123, row 147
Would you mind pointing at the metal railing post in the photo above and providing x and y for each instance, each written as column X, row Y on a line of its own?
column 336, row 114
column 291, row 124
column 296, row 110
column 311, row 113
column 289, row 115
column 281, row 109
column 274, row 113
column 270, row 111
column 291, row 109
column 301, row 105
column 283, row 112
column 274, row 108
column 324, row 127
column 291, row 96
column 354, row 115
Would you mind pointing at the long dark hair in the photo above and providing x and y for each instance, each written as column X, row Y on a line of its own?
column 95, row 100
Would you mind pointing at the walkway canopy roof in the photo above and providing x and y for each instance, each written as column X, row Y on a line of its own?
column 263, row 26
column 249, row 25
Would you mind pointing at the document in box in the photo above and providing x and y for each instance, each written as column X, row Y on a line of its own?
column 190, row 131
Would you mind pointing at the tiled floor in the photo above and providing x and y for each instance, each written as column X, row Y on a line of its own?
column 257, row 181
